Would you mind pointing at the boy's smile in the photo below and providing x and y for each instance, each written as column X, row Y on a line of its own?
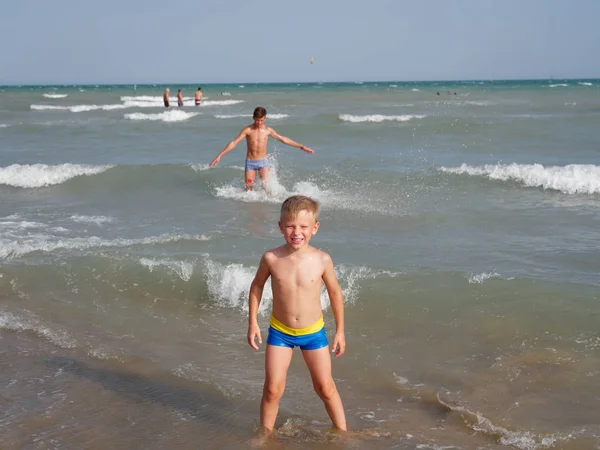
column 297, row 231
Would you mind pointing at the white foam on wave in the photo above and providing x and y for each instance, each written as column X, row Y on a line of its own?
column 570, row 179
column 377, row 118
column 249, row 116
column 13, row 322
column 142, row 98
column 4, row 125
column 157, row 103
column 173, row 115
column 78, row 108
column 525, row 440
column 56, row 95
column 220, row 102
column 477, row 103
column 585, row 83
column 147, row 101
column 232, row 116
column 229, row 284
column 98, row 220
column 14, row 246
column 182, row 269
column 199, row 167
column 478, row 278
column 40, row 175
column 558, row 85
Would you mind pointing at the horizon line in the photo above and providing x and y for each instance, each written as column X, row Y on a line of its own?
column 488, row 80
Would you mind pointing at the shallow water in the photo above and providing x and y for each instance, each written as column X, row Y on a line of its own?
column 463, row 228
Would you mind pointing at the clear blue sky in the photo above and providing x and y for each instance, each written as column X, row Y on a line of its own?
column 214, row 41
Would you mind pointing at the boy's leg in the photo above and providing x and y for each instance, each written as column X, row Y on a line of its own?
column 249, row 180
column 277, row 362
column 264, row 176
column 319, row 365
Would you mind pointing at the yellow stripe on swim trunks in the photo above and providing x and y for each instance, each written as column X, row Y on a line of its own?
column 276, row 324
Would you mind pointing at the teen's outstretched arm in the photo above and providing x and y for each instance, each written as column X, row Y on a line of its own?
column 289, row 141
column 229, row 147
column 256, row 289
column 337, row 305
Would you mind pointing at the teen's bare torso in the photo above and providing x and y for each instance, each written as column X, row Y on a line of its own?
column 256, row 141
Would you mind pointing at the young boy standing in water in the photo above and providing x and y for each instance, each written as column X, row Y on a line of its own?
column 257, row 136
column 297, row 271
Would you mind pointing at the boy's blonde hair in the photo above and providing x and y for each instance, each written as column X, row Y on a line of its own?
column 296, row 203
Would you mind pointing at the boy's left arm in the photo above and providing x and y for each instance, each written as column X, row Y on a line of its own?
column 337, row 305
column 290, row 142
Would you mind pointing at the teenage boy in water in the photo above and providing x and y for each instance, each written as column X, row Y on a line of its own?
column 257, row 136
column 297, row 271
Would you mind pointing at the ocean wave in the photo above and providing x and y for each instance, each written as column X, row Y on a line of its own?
column 584, row 83
column 229, row 284
column 378, row 118
column 78, row 108
column 56, row 95
column 232, row 116
column 525, row 440
column 40, row 175
column 220, row 102
column 182, row 269
column 558, row 85
column 98, row 220
column 249, row 116
column 199, row 167
column 11, row 247
column 570, row 179
column 153, row 101
column 173, row 115
column 13, row 322
column 478, row 278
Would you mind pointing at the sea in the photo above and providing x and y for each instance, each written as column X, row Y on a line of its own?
column 463, row 219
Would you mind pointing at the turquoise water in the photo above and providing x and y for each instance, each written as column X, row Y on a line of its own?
column 463, row 227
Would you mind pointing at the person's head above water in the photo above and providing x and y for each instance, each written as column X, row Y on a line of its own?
column 296, row 203
column 259, row 112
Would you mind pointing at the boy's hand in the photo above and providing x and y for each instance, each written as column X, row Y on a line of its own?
column 254, row 332
column 215, row 161
column 339, row 344
column 307, row 150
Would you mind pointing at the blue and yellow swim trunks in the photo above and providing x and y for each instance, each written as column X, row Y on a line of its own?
column 309, row 338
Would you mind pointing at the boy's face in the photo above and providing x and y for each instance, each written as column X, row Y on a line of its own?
column 298, row 230
column 259, row 121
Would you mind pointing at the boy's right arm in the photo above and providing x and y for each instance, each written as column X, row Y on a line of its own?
column 256, row 289
column 229, row 147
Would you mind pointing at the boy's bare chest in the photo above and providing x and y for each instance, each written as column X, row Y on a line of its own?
column 304, row 274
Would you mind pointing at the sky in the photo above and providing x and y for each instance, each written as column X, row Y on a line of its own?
column 242, row 41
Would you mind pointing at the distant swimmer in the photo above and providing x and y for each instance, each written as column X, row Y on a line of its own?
column 198, row 97
column 256, row 136
column 179, row 98
column 166, row 97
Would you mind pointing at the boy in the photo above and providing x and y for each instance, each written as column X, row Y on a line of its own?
column 256, row 136
column 296, row 270
column 179, row 98
column 198, row 97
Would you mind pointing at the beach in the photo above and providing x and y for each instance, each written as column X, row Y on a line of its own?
column 462, row 218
